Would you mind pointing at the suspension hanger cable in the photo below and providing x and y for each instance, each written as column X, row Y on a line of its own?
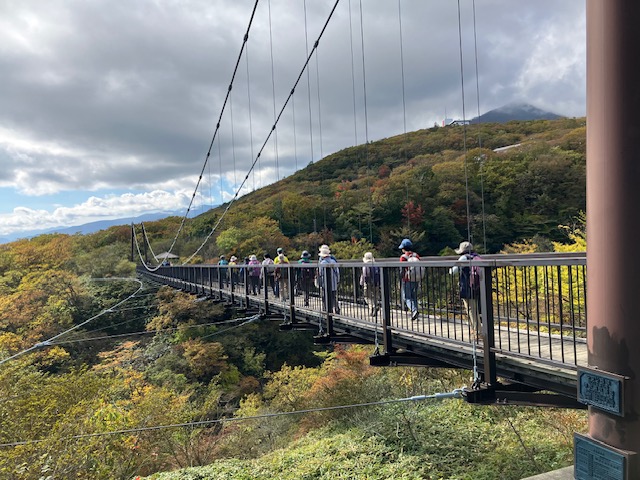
column 476, row 373
column 273, row 96
column 366, row 125
column 319, row 104
column 266, row 141
column 295, row 140
column 215, row 133
column 233, row 143
column 220, row 172
column 145, row 236
column 464, row 126
column 250, row 116
column 353, row 79
column 404, row 107
column 306, row 44
column 475, row 45
column 353, row 97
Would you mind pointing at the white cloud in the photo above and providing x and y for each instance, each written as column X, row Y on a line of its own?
column 93, row 209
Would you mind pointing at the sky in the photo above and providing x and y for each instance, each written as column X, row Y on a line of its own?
column 109, row 109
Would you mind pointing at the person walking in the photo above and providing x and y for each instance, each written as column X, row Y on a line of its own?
column 267, row 274
column 222, row 271
column 276, row 261
column 370, row 282
column 469, row 282
column 328, row 279
column 282, row 275
column 410, row 278
column 233, row 262
column 253, row 267
column 305, row 276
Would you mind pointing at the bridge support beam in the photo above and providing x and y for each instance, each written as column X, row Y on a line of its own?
column 613, row 226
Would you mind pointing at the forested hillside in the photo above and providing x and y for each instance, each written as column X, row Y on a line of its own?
column 84, row 385
column 420, row 185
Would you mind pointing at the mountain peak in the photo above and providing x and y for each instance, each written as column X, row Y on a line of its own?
column 515, row 111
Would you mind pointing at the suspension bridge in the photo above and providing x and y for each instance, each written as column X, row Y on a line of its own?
column 531, row 342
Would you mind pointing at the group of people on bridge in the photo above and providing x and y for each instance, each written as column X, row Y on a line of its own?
column 269, row 273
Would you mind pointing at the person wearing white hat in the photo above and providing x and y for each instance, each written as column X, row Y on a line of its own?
column 254, row 269
column 469, row 282
column 280, row 258
column 233, row 261
column 329, row 286
column 370, row 282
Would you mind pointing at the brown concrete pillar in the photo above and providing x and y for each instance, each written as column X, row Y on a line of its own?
column 613, row 209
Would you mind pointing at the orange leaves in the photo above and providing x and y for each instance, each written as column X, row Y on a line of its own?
column 204, row 359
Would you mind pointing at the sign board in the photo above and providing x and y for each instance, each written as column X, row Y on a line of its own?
column 602, row 390
column 594, row 460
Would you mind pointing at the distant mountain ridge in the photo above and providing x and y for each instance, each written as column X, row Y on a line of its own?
column 515, row 111
column 91, row 227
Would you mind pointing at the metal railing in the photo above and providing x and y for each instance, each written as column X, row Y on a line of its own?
column 531, row 306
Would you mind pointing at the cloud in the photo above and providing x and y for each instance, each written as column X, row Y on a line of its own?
column 93, row 209
column 126, row 96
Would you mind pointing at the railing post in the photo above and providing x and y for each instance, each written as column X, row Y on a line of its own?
column 488, row 331
column 355, row 285
column 385, row 310
column 265, row 286
column 245, row 274
column 292, row 292
column 232, row 284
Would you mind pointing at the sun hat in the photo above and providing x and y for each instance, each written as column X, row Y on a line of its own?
column 305, row 254
column 405, row 244
column 324, row 251
column 464, row 247
column 253, row 257
column 233, row 258
column 279, row 250
column 368, row 257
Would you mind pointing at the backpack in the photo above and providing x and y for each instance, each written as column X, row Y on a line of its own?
column 270, row 267
column 474, row 274
column 373, row 276
column 307, row 273
column 414, row 273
